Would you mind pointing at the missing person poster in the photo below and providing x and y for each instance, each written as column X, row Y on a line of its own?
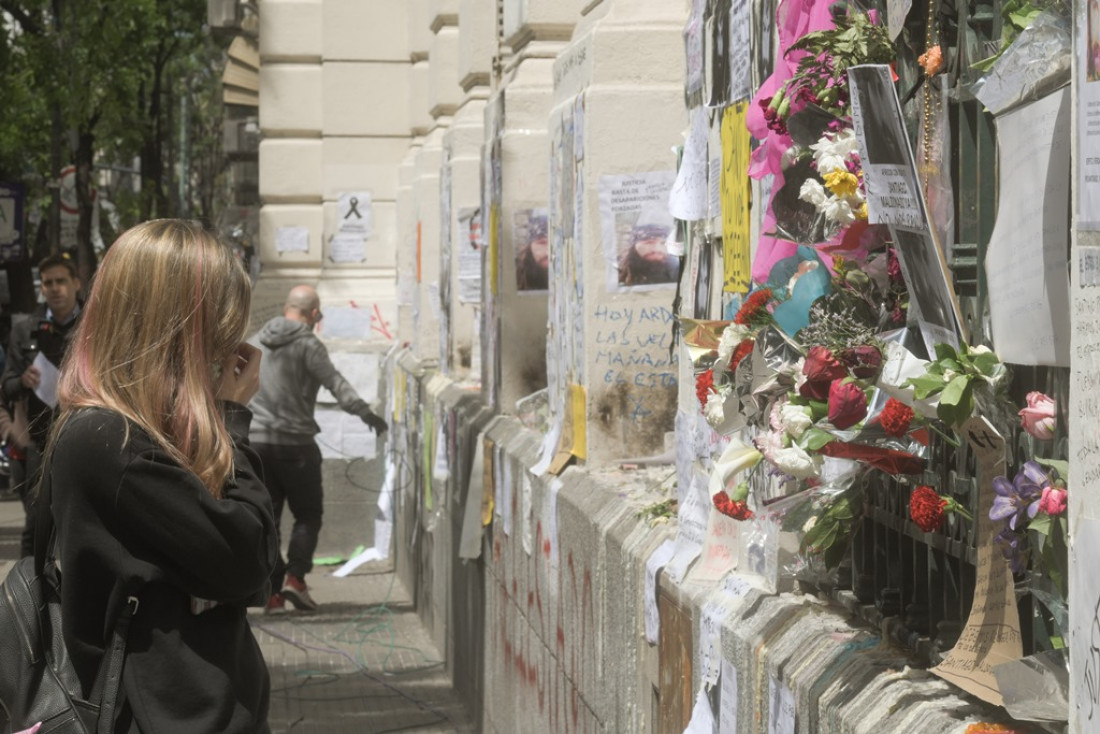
column 894, row 198
column 635, row 223
column 529, row 237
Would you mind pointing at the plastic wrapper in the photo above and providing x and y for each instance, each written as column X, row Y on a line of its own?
column 1034, row 65
column 533, row 411
column 1036, row 687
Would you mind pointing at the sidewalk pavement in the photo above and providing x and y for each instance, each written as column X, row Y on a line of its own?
column 361, row 664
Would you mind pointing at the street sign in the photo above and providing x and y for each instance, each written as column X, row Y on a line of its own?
column 12, row 236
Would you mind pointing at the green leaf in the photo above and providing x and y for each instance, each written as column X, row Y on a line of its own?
column 955, row 391
column 946, row 351
column 835, row 553
column 1040, row 524
column 814, row 438
column 924, row 385
column 986, row 363
column 1062, row 467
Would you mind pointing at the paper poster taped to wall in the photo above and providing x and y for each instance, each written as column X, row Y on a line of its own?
column 530, row 239
column 635, row 223
column 895, row 198
column 1087, row 62
column 469, row 255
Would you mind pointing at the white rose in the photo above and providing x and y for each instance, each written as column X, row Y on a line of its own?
column 813, row 192
column 796, row 419
column 795, row 462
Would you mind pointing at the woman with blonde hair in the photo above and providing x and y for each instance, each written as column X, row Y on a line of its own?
column 153, row 489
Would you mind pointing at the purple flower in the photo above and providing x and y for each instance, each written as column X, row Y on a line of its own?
column 1014, row 549
column 1015, row 499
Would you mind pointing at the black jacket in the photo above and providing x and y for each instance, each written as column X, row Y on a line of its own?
column 29, row 336
column 129, row 518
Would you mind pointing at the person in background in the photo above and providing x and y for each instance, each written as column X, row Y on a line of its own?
column 154, row 490
column 33, row 359
column 295, row 366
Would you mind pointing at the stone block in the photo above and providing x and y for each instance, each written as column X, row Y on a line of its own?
column 290, row 30
column 543, row 20
column 476, row 42
column 419, row 96
column 358, row 163
column 290, row 170
column 444, row 92
column 290, row 99
column 354, row 103
column 363, row 30
column 276, row 216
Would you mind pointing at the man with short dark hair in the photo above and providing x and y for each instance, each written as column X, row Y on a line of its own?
column 294, row 365
column 35, row 352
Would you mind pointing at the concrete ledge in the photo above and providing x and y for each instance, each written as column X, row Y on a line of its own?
column 561, row 592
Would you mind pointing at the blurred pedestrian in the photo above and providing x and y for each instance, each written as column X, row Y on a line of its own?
column 154, row 491
column 34, row 356
column 295, row 366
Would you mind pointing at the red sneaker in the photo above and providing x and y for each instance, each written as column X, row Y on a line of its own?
column 275, row 603
column 297, row 593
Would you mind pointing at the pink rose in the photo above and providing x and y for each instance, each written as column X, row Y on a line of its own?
column 1038, row 418
column 847, row 404
column 1053, row 501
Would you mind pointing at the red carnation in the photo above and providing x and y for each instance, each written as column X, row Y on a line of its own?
column 820, row 368
column 742, row 350
column 847, row 404
column 895, row 418
column 926, row 508
column 731, row 508
column 754, row 311
column 704, row 386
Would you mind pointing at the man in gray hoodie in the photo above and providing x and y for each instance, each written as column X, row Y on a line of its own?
column 294, row 366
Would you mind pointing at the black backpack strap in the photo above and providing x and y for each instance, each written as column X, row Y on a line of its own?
column 108, row 681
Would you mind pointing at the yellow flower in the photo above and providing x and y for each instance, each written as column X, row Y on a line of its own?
column 861, row 213
column 841, row 183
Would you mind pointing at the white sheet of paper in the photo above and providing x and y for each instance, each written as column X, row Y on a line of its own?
column 710, row 640
column 344, row 436
column 1084, row 619
column 1087, row 91
column 689, row 196
column 499, row 459
column 441, row 470
column 727, row 700
column 47, row 381
column 721, row 546
column 292, row 239
column 551, row 515
column 360, row 369
column 370, row 554
column 740, row 50
column 346, row 322
column 896, row 12
column 347, row 247
column 354, row 214
column 1026, row 264
column 780, row 708
column 692, row 514
column 653, row 565
column 507, row 495
column 527, row 529
column 702, row 718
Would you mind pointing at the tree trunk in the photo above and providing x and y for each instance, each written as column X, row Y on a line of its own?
column 85, row 157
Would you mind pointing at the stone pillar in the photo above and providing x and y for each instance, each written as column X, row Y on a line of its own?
column 407, row 246
column 291, row 104
column 363, row 144
column 535, row 31
column 618, row 110
column 460, row 181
